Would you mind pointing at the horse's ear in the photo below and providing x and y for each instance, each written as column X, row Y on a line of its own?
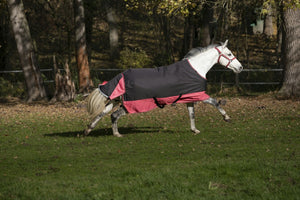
column 225, row 44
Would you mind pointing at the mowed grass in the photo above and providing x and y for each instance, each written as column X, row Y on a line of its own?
column 256, row 156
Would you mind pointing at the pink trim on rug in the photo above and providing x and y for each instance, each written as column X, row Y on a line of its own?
column 119, row 90
column 138, row 106
column 145, row 105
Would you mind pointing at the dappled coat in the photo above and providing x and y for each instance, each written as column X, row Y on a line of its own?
column 145, row 89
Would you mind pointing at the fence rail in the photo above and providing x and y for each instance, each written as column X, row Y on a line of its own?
column 236, row 82
column 21, row 71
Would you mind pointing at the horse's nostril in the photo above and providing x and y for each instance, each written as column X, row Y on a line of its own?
column 241, row 68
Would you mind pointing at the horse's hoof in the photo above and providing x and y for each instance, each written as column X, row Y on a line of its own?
column 86, row 132
column 118, row 135
column 195, row 131
column 227, row 118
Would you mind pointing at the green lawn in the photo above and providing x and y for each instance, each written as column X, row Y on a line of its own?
column 256, row 156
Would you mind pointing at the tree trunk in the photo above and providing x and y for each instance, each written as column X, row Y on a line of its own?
column 4, row 31
column 206, row 36
column 189, row 34
column 221, row 22
column 64, row 86
column 85, row 81
column 279, row 40
column 268, row 22
column 89, row 17
column 32, row 74
column 113, row 31
column 291, row 54
column 165, row 28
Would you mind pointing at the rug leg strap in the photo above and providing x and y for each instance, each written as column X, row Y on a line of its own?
column 174, row 102
column 158, row 105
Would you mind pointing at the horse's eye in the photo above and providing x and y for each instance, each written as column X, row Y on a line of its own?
column 229, row 54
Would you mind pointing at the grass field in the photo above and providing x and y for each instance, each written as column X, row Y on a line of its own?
column 256, row 156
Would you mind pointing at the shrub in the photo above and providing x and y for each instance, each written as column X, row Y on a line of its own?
column 8, row 88
column 136, row 58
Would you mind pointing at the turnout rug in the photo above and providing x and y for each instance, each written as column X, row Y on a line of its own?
column 145, row 89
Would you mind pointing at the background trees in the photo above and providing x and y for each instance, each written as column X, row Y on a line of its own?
column 33, row 79
column 121, row 34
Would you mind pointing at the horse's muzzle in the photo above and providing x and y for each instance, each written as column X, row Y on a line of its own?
column 239, row 69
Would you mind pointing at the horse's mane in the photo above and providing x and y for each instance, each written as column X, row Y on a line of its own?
column 195, row 51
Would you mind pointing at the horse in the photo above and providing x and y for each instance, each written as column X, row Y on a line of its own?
column 145, row 89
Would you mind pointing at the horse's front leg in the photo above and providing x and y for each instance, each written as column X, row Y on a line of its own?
column 95, row 121
column 216, row 104
column 190, row 107
column 115, row 116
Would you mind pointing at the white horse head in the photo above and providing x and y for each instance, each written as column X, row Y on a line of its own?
column 203, row 59
column 227, row 59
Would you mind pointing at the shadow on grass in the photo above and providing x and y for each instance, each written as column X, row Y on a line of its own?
column 108, row 132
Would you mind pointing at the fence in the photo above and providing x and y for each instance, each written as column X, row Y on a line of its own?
column 244, row 81
column 256, row 77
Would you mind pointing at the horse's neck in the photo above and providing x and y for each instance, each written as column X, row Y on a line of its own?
column 203, row 62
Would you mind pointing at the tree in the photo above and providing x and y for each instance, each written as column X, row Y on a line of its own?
column 268, row 21
column 290, row 50
column 189, row 33
column 85, row 81
column 206, row 35
column 113, row 30
column 32, row 74
column 4, row 26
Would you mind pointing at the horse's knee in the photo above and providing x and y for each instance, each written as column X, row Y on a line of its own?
column 117, row 114
column 114, row 118
column 211, row 101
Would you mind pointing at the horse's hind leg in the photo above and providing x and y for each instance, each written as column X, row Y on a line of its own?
column 190, row 107
column 216, row 104
column 115, row 116
column 95, row 121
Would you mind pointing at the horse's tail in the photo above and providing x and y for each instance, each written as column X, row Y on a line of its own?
column 96, row 102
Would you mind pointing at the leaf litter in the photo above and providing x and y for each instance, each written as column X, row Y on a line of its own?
column 241, row 108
